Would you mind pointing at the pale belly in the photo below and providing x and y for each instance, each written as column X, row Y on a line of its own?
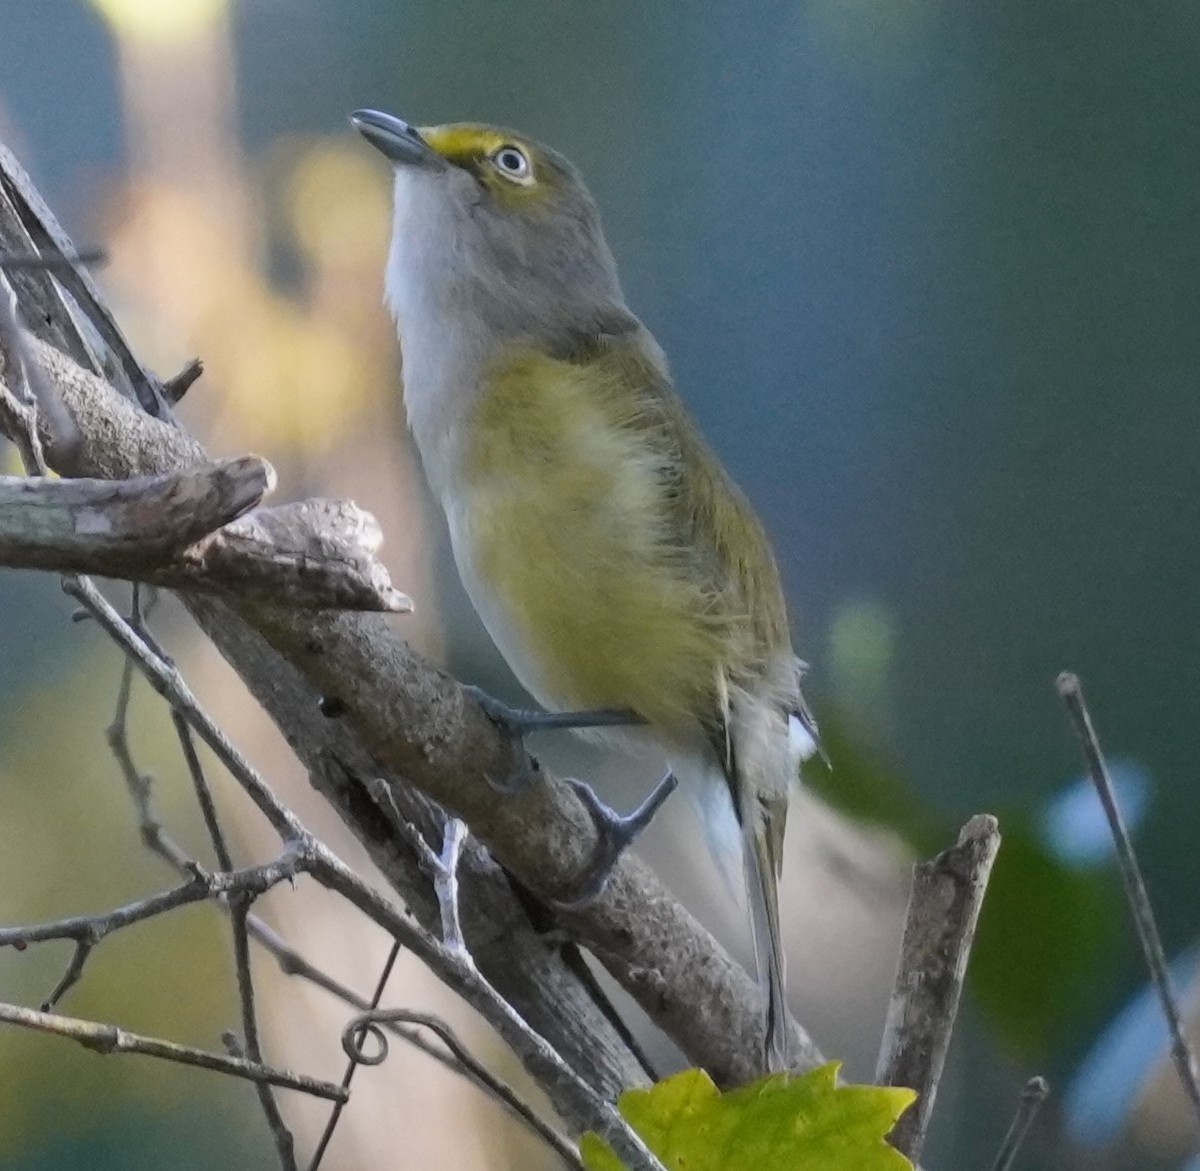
column 514, row 645
column 582, row 615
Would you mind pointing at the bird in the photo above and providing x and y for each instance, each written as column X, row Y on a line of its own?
column 616, row 565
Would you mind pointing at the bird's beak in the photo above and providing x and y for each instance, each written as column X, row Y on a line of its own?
column 399, row 142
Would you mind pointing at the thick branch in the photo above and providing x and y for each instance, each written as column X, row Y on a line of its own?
column 190, row 530
column 122, row 528
column 313, row 554
column 943, row 909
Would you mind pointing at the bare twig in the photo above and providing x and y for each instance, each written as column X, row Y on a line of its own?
column 179, row 384
column 352, row 1064
column 167, row 681
column 41, row 396
column 91, row 929
column 943, row 909
column 1032, row 1097
column 204, row 797
column 355, row 1034
column 28, row 260
column 285, row 1144
column 70, row 977
column 18, row 415
column 103, row 1038
column 1071, row 691
column 154, row 838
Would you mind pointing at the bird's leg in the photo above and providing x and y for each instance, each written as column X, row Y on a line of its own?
column 614, row 833
column 519, row 722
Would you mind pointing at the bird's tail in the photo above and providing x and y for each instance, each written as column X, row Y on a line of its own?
column 762, row 832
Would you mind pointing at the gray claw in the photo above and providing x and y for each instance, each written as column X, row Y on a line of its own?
column 615, row 834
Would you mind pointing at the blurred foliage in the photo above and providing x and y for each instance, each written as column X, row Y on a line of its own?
column 1048, row 932
column 1047, row 937
column 296, row 365
column 778, row 1123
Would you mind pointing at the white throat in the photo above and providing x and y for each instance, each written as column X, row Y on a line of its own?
column 443, row 346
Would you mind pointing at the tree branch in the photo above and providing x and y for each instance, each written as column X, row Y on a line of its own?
column 1033, row 1094
column 103, row 1038
column 307, row 555
column 122, row 528
column 190, row 530
column 1071, row 691
column 943, row 909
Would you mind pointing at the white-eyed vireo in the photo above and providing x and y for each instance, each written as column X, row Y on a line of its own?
column 610, row 556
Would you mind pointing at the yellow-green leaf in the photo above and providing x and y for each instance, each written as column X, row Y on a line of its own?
column 780, row 1123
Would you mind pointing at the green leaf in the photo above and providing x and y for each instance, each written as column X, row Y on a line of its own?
column 779, row 1123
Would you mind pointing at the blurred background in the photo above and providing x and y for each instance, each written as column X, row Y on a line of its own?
column 928, row 278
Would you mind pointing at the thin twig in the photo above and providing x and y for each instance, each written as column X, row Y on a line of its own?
column 205, row 886
column 943, row 909
column 1032, row 1097
column 285, row 1144
column 167, row 681
column 202, row 789
column 18, row 415
column 28, row 260
column 70, row 977
column 43, row 398
column 352, row 1065
column 175, row 387
column 150, row 828
column 104, row 1038
column 1071, row 691
column 354, row 1035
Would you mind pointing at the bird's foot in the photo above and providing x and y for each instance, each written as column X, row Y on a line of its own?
column 614, row 834
column 520, row 722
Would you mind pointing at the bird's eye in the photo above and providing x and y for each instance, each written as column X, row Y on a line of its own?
column 512, row 162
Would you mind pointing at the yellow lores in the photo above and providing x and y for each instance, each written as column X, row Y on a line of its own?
column 611, row 558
